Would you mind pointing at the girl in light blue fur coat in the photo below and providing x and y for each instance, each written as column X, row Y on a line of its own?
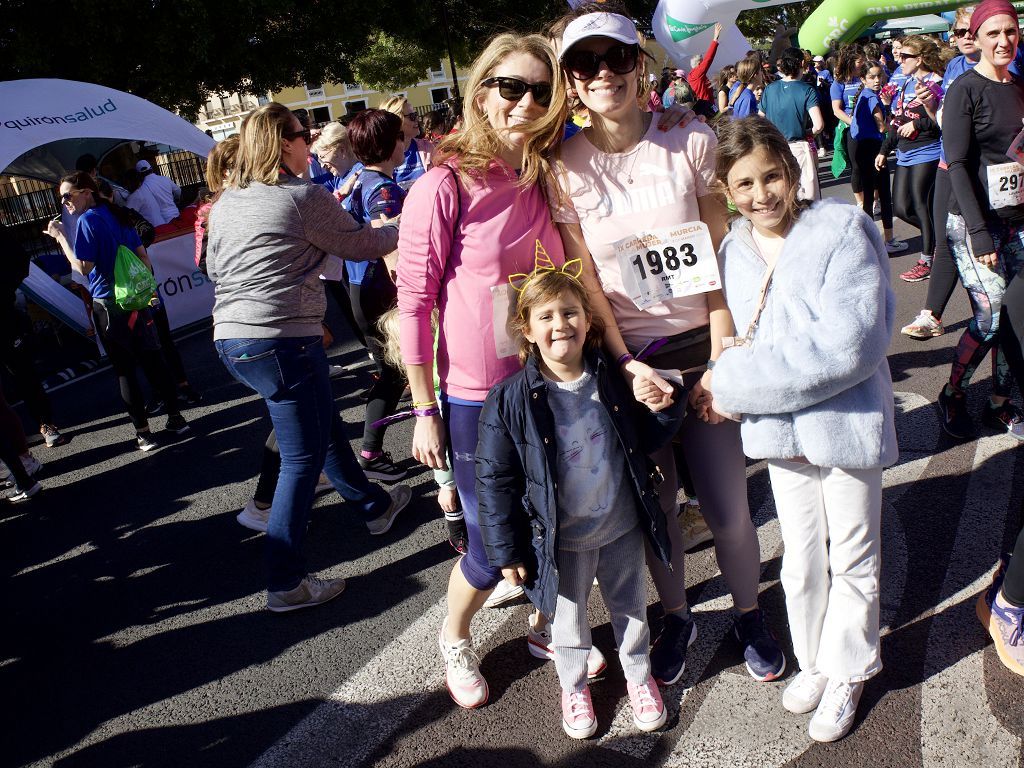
column 808, row 380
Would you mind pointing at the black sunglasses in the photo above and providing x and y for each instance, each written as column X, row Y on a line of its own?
column 293, row 135
column 905, row 56
column 66, row 197
column 959, row 32
column 584, row 65
column 513, row 89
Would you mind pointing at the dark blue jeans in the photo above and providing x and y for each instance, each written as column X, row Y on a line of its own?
column 291, row 375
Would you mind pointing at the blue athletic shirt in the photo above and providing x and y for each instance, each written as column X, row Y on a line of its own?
column 411, row 168
column 98, row 236
column 845, row 92
column 374, row 194
column 334, row 183
column 863, row 126
column 745, row 104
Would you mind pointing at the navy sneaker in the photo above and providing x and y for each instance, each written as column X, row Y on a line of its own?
column 668, row 654
column 953, row 413
column 765, row 660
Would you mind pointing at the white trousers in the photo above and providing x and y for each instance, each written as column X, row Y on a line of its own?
column 808, row 160
column 830, row 520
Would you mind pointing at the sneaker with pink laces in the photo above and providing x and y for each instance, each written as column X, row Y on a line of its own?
column 924, row 326
column 648, row 708
column 920, row 271
column 578, row 720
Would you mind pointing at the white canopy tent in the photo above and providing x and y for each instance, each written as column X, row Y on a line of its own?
column 45, row 125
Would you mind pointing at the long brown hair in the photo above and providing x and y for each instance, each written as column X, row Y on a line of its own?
column 738, row 139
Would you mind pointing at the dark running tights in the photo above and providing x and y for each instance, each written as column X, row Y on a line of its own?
column 944, row 276
column 912, row 190
column 12, row 445
column 873, row 180
column 1011, row 338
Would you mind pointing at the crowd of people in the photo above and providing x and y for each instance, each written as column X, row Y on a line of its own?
column 548, row 280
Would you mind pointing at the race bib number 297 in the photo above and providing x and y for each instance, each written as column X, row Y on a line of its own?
column 667, row 263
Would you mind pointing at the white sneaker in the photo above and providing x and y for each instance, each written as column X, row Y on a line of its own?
column 311, row 591
column 538, row 641
column 834, row 716
column 466, row 685
column 21, row 496
column 400, row 496
column 694, row 528
column 254, row 518
column 804, row 693
column 504, row 593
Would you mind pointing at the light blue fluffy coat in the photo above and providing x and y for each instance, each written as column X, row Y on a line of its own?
column 815, row 382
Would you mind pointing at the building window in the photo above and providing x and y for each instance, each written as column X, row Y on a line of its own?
column 262, row 99
column 353, row 87
column 437, row 74
column 351, row 107
column 315, row 90
column 438, row 95
column 321, row 115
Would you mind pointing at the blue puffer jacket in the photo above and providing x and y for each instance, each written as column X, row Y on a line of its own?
column 516, row 466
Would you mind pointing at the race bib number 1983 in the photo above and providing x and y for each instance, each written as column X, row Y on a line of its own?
column 667, row 263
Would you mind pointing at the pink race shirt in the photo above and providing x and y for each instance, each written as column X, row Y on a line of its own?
column 670, row 170
column 456, row 250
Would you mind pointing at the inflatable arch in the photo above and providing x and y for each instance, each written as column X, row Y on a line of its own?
column 684, row 27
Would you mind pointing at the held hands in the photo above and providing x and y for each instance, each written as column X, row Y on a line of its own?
column 428, row 446
column 648, row 387
column 515, row 574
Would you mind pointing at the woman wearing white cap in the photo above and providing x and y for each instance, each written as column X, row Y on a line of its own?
column 637, row 208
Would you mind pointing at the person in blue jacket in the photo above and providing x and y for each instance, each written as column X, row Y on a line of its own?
column 566, row 490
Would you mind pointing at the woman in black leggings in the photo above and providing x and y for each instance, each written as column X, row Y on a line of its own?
column 1001, row 607
column 914, row 131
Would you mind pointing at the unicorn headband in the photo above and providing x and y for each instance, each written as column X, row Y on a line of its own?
column 542, row 263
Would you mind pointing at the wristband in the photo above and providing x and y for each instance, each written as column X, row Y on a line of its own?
column 711, row 364
column 624, row 358
column 427, row 404
column 426, row 412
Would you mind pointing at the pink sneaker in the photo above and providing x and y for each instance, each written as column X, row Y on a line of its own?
column 648, row 709
column 578, row 719
column 466, row 685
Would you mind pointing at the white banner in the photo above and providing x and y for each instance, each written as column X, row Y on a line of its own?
column 184, row 289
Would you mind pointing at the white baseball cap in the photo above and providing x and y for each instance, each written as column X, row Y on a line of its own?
column 142, row 166
column 611, row 25
column 819, row 58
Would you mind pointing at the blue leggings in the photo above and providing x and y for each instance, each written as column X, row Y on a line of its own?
column 462, row 422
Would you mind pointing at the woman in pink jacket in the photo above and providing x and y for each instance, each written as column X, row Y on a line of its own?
column 468, row 224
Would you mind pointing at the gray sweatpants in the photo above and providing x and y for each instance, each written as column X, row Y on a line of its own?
column 619, row 569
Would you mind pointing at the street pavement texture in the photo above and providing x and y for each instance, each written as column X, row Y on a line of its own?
column 136, row 635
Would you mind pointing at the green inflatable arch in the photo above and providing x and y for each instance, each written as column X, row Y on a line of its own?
column 845, row 20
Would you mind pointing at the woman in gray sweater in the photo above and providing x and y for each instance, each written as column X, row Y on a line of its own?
column 270, row 236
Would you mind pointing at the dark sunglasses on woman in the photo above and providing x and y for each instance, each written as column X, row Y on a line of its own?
column 959, row 32
column 293, row 135
column 513, row 89
column 584, row 65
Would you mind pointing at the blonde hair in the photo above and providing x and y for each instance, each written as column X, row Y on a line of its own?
column 388, row 326
column 259, row 146
column 332, row 136
column 220, row 162
column 542, row 288
column 477, row 144
column 963, row 13
column 395, row 105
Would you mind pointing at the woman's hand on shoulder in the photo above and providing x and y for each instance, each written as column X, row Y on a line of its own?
column 676, row 116
column 428, row 442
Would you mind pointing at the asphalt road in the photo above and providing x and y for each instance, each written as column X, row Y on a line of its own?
column 136, row 635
